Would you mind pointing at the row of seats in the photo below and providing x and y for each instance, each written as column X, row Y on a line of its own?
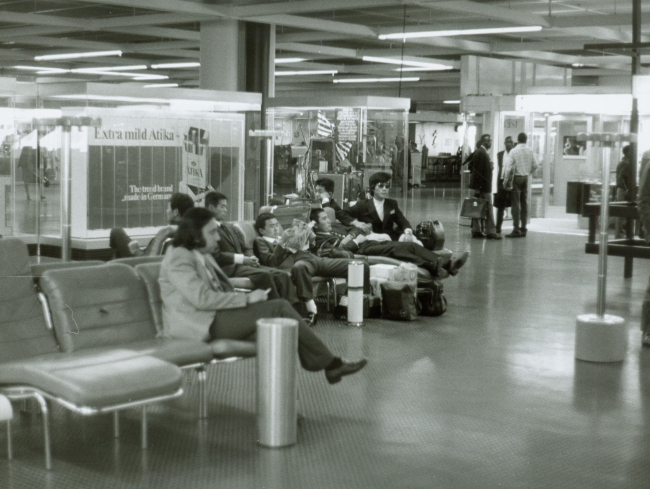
column 90, row 339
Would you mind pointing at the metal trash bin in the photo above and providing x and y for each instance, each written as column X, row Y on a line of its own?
column 277, row 352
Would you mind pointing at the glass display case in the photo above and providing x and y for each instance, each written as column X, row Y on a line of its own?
column 134, row 147
column 350, row 136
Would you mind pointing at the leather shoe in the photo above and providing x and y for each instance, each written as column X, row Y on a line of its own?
column 523, row 232
column 478, row 234
column 514, row 234
column 493, row 236
column 335, row 375
column 311, row 319
column 457, row 262
column 645, row 340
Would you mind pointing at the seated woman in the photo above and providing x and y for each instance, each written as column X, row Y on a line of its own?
column 199, row 302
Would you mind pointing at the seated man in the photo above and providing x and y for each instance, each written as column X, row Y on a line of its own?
column 380, row 214
column 343, row 239
column 273, row 251
column 124, row 246
column 324, row 190
column 237, row 260
column 199, row 302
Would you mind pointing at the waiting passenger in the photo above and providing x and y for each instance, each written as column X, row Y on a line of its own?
column 380, row 214
column 349, row 240
column 123, row 246
column 325, row 190
column 236, row 259
column 274, row 249
column 199, row 302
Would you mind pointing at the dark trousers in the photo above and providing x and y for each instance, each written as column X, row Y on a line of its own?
column 119, row 242
column 308, row 265
column 278, row 281
column 485, row 225
column 409, row 252
column 240, row 324
column 520, row 201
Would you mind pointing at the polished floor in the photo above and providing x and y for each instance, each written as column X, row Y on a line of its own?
column 488, row 395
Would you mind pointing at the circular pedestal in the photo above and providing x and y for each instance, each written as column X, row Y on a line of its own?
column 600, row 339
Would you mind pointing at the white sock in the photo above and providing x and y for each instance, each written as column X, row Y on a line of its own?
column 311, row 306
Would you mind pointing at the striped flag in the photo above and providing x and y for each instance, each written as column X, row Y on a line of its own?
column 325, row 127
column 342, row 150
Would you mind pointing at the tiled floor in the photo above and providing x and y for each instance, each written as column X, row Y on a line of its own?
column 487, row 396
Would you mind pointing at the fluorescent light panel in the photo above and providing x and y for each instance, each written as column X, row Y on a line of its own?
column 451, row 102
column 418, row 64
column 161, row 85
column 111, row 68
column 376, row 80
column 306, row 72
column 423, row 68
column 92, row 54
column 461, row 32
column 189, row 64
column 289, row 60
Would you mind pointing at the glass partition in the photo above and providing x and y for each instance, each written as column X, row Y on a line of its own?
column 141, row 146
column 348, row 138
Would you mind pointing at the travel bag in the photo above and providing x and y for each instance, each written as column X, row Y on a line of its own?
column 474, row 208
column 398, row 301
column 432, row 300
column 431, row 234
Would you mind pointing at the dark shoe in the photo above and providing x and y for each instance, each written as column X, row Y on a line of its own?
column 514, row 234
column 523, row 232
column 493, row 236
column 645, row 340
column 498, row 230
column 457, row 262
column 478, row 234
column 311, row 319
column 335, row 375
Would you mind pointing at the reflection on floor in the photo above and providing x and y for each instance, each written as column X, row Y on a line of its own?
column 487, row 396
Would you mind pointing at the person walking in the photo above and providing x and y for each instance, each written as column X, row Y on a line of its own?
column 524, row 162
column 502, row 197
column 622, row 188
column 481, row 168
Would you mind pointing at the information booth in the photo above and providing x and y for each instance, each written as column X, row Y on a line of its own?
column 348, row 138
column 133, row 148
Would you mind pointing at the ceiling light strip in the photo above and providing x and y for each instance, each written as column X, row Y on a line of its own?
column 306, row 72
column 91, row 54
column 461, row 32
column 376, row 80
column 189, row 64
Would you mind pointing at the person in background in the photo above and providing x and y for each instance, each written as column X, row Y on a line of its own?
column 199, row 302
column 237, row 259
column 522, row 158
column 481, row 168
column 325, row 190
column 380, row 214
column 622, row 188
column 502, row 197
column 644, row 216
column 123, row 246
column 274, row 249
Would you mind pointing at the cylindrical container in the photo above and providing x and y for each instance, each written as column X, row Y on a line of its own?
column 277, row 350
column 600, row 338
column 355, row 293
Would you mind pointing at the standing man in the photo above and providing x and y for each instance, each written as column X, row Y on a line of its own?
column 236, row 259
column 481, row 166
column 644, row 214
column 622, row 188
column 502, row 197
column 525, row 163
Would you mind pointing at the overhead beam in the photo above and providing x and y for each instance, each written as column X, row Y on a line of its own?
column 316, row 49
column 144, row 20
column 487, row 11
column 312, row 37
column 611, row 20
column 32, row 31
column 317, row 25
column 163, row 32
column 176, row 6
column 304, row 6
column 537, row 46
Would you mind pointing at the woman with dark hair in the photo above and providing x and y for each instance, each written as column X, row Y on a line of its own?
column 199, row 302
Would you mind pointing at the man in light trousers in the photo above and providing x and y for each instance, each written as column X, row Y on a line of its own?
column 522, row 161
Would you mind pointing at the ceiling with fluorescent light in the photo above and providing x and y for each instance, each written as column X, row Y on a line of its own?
column 328, row 35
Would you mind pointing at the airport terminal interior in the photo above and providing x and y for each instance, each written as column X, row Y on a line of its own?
column 535, row 375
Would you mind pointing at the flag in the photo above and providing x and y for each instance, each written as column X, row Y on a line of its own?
column 325, row 127
column 342, row 150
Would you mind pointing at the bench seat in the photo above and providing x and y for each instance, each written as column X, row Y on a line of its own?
column 94, row 381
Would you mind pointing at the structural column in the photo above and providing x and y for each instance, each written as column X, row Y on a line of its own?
column 222, row 52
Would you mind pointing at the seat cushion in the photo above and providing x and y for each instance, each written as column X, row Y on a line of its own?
column 23, row 331
column 226, row 348
column 38, row 269
column 248, row 230
column 132, row 261
column 98, row 306
column 242, row 283
column 176, row 351
column 95, row 380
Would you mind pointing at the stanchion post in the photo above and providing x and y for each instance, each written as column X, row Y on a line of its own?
column 355, row 293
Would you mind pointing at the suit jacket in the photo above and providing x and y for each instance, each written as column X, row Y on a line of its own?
column 190, row 299
column 364, row 211
column 232, row 242
column 272, row 255
column 481, row 167
column 340, row 213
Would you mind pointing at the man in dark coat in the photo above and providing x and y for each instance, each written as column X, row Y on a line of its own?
column 236, row 259
column 481, row 167
column 502, row 197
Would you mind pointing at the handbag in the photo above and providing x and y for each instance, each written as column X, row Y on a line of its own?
column 398, row 301
column 329, row 249
column 474, row 208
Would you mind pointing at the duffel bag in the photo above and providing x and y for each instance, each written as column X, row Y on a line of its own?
column 431, row 234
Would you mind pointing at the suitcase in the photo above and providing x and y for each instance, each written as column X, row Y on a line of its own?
column 474, row 208
column 398, row 301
